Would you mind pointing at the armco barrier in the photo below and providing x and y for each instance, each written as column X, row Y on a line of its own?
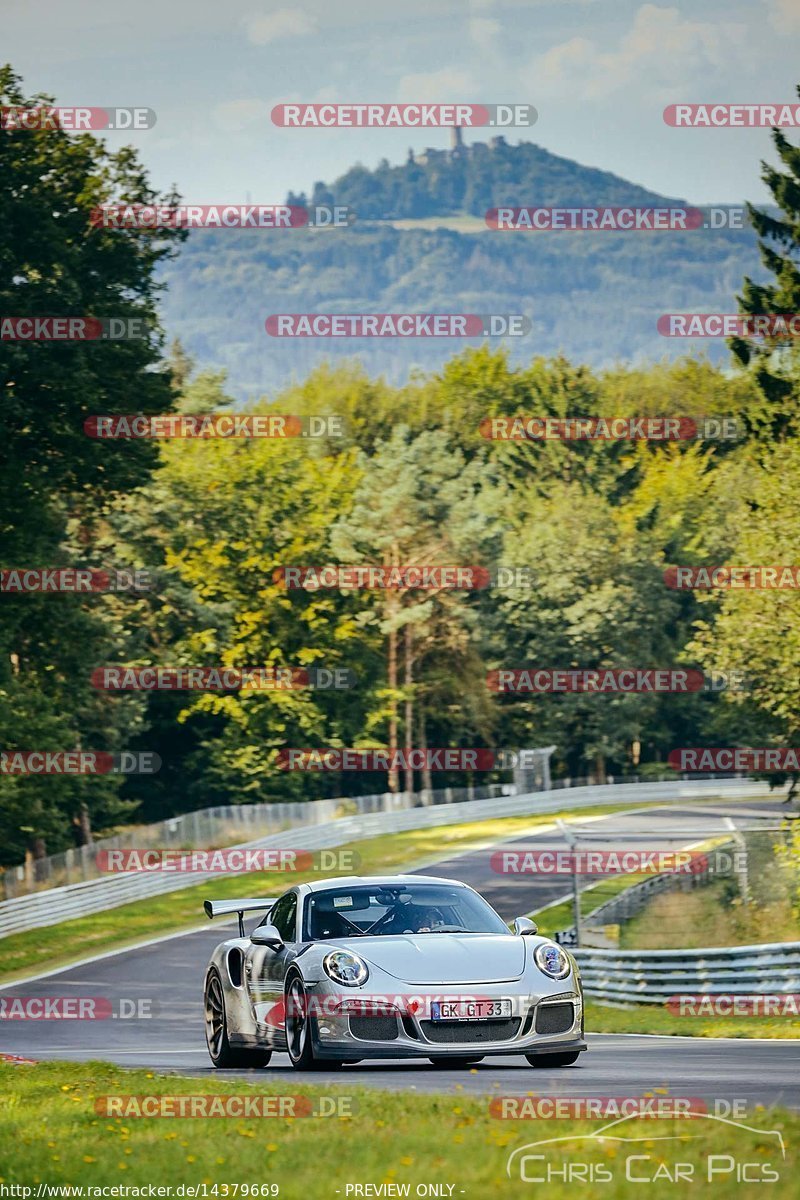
column 655, row 976
column 81, row 899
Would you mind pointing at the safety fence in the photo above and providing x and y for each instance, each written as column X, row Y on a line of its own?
column 659, row 976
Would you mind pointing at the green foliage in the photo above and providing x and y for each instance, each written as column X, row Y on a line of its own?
column 474, row 179
column 773, row 361
column 57, row 484
column 411, row 480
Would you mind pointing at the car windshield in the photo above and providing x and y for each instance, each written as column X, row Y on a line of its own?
column 392, row 911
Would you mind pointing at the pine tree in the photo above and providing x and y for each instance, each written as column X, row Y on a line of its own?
column 774, row 360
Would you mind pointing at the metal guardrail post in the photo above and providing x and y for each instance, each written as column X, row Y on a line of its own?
column 571, row 841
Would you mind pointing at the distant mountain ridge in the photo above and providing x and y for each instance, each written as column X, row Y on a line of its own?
column 594, row 296
column 471, row 179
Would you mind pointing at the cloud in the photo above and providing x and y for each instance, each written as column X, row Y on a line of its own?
column 238, row 114
column 483, row 31
column 662, row 49
column 784, row 15
column 262, row 28
column 449, row 83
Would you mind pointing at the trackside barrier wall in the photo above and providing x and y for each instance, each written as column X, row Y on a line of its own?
column 655, row 976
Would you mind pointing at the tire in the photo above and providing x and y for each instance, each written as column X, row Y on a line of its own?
column 457, row 1064
column 220, row 1051
column 553, row 1060
column 298, row 1028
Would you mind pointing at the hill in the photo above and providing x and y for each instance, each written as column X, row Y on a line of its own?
column 472, row 179
column 595, row 296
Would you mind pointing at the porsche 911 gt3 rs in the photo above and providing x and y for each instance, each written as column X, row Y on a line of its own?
column 402, row 966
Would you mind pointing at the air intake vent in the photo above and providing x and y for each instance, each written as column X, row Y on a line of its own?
column 554, row 1018
column 470, row 1031
column 374, row 1029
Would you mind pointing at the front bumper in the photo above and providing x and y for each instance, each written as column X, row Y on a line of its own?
column 543, row 1024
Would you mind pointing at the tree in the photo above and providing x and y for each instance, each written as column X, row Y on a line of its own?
column 774, row 361
column 57, row 484
column 418, row 504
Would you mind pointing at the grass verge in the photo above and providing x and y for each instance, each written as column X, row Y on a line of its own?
column 652, row 1018
column 51, row 1134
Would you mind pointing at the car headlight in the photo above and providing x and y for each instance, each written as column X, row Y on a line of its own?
column 342, row 966
column 552, row 960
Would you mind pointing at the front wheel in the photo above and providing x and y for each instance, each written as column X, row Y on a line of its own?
column 298, row 1027
column 553, row 1060
column 219, row 1048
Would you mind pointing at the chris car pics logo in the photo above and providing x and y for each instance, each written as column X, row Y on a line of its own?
column 633, row 1153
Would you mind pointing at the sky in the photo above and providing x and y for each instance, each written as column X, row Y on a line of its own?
column 599, row 72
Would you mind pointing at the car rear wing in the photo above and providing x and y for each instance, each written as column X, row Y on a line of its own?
column 223, row 908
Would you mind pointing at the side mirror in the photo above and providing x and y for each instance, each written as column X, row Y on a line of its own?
column 267, row 935
column 524, row 927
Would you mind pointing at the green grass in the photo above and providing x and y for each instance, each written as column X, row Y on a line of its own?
column 50, row 1132
column 652, row 1018
column 65, row 942
column 710, row 916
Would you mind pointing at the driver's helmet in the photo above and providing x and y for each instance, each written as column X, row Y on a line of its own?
column 425, row 917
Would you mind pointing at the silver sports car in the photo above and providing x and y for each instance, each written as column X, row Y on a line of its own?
column 401, row 966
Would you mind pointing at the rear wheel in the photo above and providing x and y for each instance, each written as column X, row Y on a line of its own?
column 456, row 1063
column 219, row 1048
column 553, row 1060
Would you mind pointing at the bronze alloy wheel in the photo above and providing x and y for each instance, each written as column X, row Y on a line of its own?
column 219, row 1048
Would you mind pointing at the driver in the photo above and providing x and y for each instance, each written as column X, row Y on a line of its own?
column 428, row 919
column 414, row 918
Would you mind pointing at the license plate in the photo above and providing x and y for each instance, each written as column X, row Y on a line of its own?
column 469, row 1010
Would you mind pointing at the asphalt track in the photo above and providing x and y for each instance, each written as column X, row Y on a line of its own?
column 162, row 984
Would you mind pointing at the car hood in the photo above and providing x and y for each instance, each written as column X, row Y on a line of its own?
column 441, row 958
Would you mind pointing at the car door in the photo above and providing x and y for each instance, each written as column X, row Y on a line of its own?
column 265, row 968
